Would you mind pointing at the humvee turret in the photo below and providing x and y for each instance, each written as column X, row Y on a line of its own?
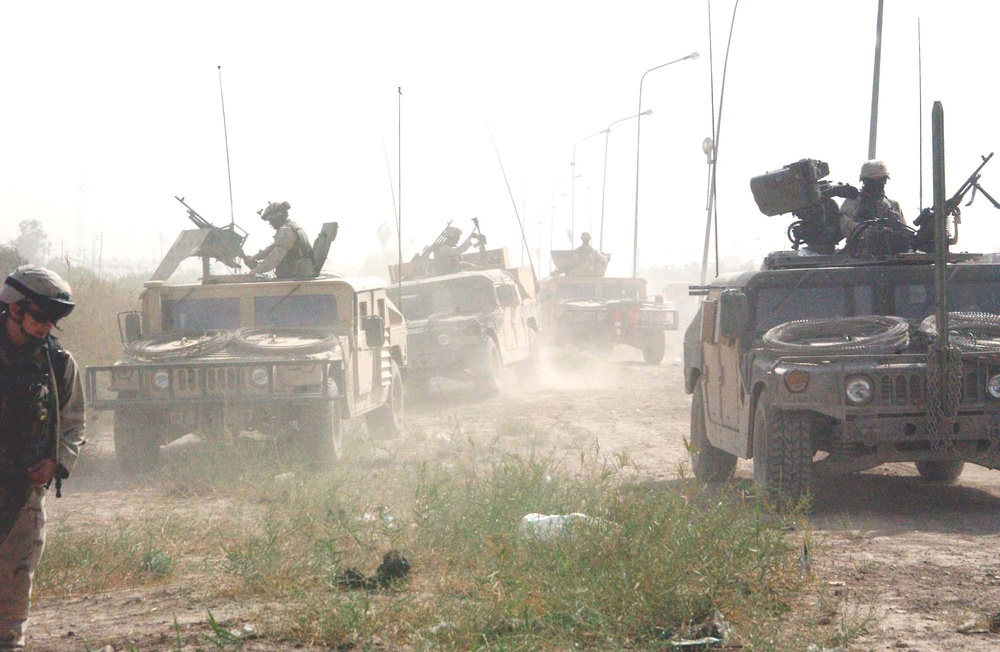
column 293, row 358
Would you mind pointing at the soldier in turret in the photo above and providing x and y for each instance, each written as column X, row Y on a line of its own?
column 448, row 256
column 871, row 203
column 587, row 261
column 290, row 254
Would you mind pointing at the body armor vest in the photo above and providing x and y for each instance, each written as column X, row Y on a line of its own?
column 299, row 258
column 27, row 423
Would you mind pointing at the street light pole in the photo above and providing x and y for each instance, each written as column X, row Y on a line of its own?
column 604, row 175
column 638, row 132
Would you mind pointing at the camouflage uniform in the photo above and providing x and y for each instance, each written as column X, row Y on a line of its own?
column 290, row 255
column 587, row 261
column 871, row 203
column 29, row 418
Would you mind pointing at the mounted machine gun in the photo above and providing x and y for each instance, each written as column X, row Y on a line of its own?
column 224, row 244
column 924, row 239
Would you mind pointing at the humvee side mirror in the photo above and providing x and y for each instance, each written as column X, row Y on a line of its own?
column 374, row 331
column 734, row 313
column 133, row 327
column 505, row 293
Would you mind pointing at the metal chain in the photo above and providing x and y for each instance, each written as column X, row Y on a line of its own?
column 943, row 402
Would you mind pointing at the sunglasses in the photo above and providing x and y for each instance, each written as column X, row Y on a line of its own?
column 40, row 317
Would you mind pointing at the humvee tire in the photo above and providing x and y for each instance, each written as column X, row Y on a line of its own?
column 322, row 427
column 387, row 421
column 708, row 463
column 137, row 449
column 782, row 452
column 654, row 347
column 489, row 376
column 940, row 471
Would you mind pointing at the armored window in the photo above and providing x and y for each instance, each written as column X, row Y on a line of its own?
column 192, row 313
column 916, row 301
column 309, row 310
column 773, row 305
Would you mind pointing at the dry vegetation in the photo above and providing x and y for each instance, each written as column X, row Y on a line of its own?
column 253, row 526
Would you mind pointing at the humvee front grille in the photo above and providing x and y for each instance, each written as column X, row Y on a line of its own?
column 902, row 389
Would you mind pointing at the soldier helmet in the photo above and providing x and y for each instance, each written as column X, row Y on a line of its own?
column 874, row 170
column 585, row 236
column 452, row 234
column 275, row 211
column 41, row 286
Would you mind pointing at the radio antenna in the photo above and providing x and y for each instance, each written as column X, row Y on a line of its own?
column 713, row 210
column 399, row 182
column 920, row 113
column 513, row 203
column 229, row 169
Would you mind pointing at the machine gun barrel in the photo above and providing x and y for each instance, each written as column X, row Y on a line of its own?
column 972, row 182
column 193, row 215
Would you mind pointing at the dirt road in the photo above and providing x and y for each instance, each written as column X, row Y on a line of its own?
column 910, row 563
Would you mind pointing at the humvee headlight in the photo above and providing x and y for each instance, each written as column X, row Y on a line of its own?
column 796, row 381
column 444, row 339
column 161, row 379
column 993, row 385
column 259, row 376
column 858, row 389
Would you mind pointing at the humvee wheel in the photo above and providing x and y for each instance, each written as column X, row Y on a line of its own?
column 708, row 463
column 137, row 446
column 489, row 376
column 387, row 421
column 323, row 429
column 653, row 348
column 940, row 472
column 782, row 452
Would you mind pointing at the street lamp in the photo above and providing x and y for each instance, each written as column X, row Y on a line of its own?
column 604, row 176
column 638, row 132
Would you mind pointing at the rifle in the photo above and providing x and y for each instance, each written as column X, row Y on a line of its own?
column 925, row 234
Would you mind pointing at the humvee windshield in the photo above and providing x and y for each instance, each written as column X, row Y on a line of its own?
column 601, row 290
column 460, row 296
column 915, row 301
column 311, row 311
column 774, row 305
column 200, row 314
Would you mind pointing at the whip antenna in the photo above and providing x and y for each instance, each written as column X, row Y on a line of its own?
column 524, row 239
column 225, row 133
column 920, row 114
column 399, row 181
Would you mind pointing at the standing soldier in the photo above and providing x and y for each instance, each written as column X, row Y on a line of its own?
column 871, row 203
column 290, row 255
column 41, row 430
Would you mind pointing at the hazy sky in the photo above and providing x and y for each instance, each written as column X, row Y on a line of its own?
column 111, row 109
